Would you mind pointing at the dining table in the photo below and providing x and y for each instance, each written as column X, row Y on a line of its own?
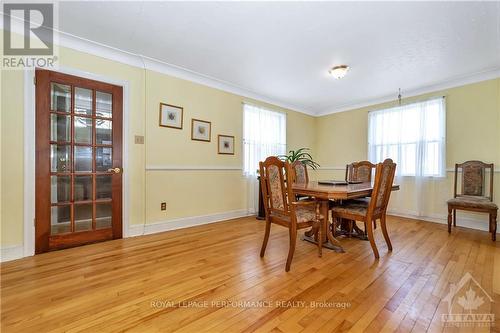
column 324, row 193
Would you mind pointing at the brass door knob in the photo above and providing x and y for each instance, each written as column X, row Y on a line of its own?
column 115, row 170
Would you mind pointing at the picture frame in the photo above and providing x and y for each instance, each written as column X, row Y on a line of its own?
column 201, row 130
column 225, row 144
column 171, row 116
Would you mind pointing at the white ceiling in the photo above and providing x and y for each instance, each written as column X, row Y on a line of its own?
column 283, row 50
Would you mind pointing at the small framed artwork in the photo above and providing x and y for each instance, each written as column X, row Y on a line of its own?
column 171, row 116
column 226, row 144
column 200, row 130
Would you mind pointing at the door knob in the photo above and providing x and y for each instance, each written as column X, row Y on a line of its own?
column 115, row 170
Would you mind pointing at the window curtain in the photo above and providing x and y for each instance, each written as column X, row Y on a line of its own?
column 414, row 136
column 264, row 134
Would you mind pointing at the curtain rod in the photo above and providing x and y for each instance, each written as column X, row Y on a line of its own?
column 264, row 107
column 407, row 103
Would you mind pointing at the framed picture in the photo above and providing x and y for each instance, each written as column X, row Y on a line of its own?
column 171, row 116
column 200, row 130
column 226, row 144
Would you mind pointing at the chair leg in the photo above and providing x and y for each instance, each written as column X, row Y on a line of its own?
column 493, row 218
column 384, row 232
column 369, row 231
column 266, row 238
column 322, row 228
column 454, row 217
column 449, row 219
column 291, row 250
column 320, row 239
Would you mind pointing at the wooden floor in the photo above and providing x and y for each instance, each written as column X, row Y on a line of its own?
column 172, row 282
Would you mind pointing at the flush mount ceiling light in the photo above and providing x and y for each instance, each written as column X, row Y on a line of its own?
column 339, row 72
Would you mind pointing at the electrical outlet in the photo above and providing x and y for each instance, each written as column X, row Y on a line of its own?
column 163, row 206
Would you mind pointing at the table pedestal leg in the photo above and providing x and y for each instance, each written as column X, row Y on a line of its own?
column 329, row 241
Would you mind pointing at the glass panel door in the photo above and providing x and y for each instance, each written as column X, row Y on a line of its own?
column 82, row 159
column 79, row 197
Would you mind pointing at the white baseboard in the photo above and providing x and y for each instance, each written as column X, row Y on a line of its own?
column 185, row 222
column 11, row 253
column 462, row 221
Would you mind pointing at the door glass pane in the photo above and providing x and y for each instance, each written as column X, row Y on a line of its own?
column 103, row 215
column 103, row 187
column 103, row 160
column 104, row 104
column 83, row 101
column 83, row 188
column 59, row 158
column 83, row 159
column 60, row 219
column 60, row 188
column 103, row 131
column 83, row 217
column 60, row 128
column 83, row 130
column 60, row 97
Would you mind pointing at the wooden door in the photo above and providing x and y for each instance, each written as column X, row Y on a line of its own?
column 78, row 181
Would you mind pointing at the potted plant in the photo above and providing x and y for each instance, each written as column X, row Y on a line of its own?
column 301, row 155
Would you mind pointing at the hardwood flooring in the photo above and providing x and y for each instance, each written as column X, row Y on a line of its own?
column 172, row 281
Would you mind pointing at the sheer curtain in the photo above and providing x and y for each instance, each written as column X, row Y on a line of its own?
column 414, row 136
column 264, row 134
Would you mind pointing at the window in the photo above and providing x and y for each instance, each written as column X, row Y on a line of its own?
column 264, row 134
column 412, row 135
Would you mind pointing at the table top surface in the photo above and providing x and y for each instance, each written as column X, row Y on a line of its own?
column 336, row 191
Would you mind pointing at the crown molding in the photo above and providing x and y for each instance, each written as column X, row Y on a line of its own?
column 137, row 60
column 488, row 74
column 144, row 62
column 81, row 44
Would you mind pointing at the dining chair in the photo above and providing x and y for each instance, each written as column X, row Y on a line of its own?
column 300, row 174
column 375, row 208
column 359, row 171
column 282, row 208
column 472, row 196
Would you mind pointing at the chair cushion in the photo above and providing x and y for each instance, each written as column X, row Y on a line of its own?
column 351, row 207
column 305, row 213
column 473, row 202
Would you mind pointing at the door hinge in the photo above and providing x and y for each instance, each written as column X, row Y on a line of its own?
column 34, row 222
column 34, row 80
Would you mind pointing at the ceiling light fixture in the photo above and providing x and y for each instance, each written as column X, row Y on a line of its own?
column 339, row 72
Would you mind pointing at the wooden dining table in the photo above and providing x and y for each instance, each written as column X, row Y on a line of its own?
column 324, row 193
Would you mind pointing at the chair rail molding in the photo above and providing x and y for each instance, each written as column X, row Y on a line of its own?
column 192, row 167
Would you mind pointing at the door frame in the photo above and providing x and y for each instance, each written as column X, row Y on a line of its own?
column 30, row 148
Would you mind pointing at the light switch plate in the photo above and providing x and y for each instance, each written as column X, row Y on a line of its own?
column 139, row 139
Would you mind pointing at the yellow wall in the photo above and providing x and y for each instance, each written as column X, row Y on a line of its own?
column 187, row 193
column 473, row 123
column 472, row 132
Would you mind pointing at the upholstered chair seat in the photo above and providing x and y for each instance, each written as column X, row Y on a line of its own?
column 473, row 202
column 303, row 213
